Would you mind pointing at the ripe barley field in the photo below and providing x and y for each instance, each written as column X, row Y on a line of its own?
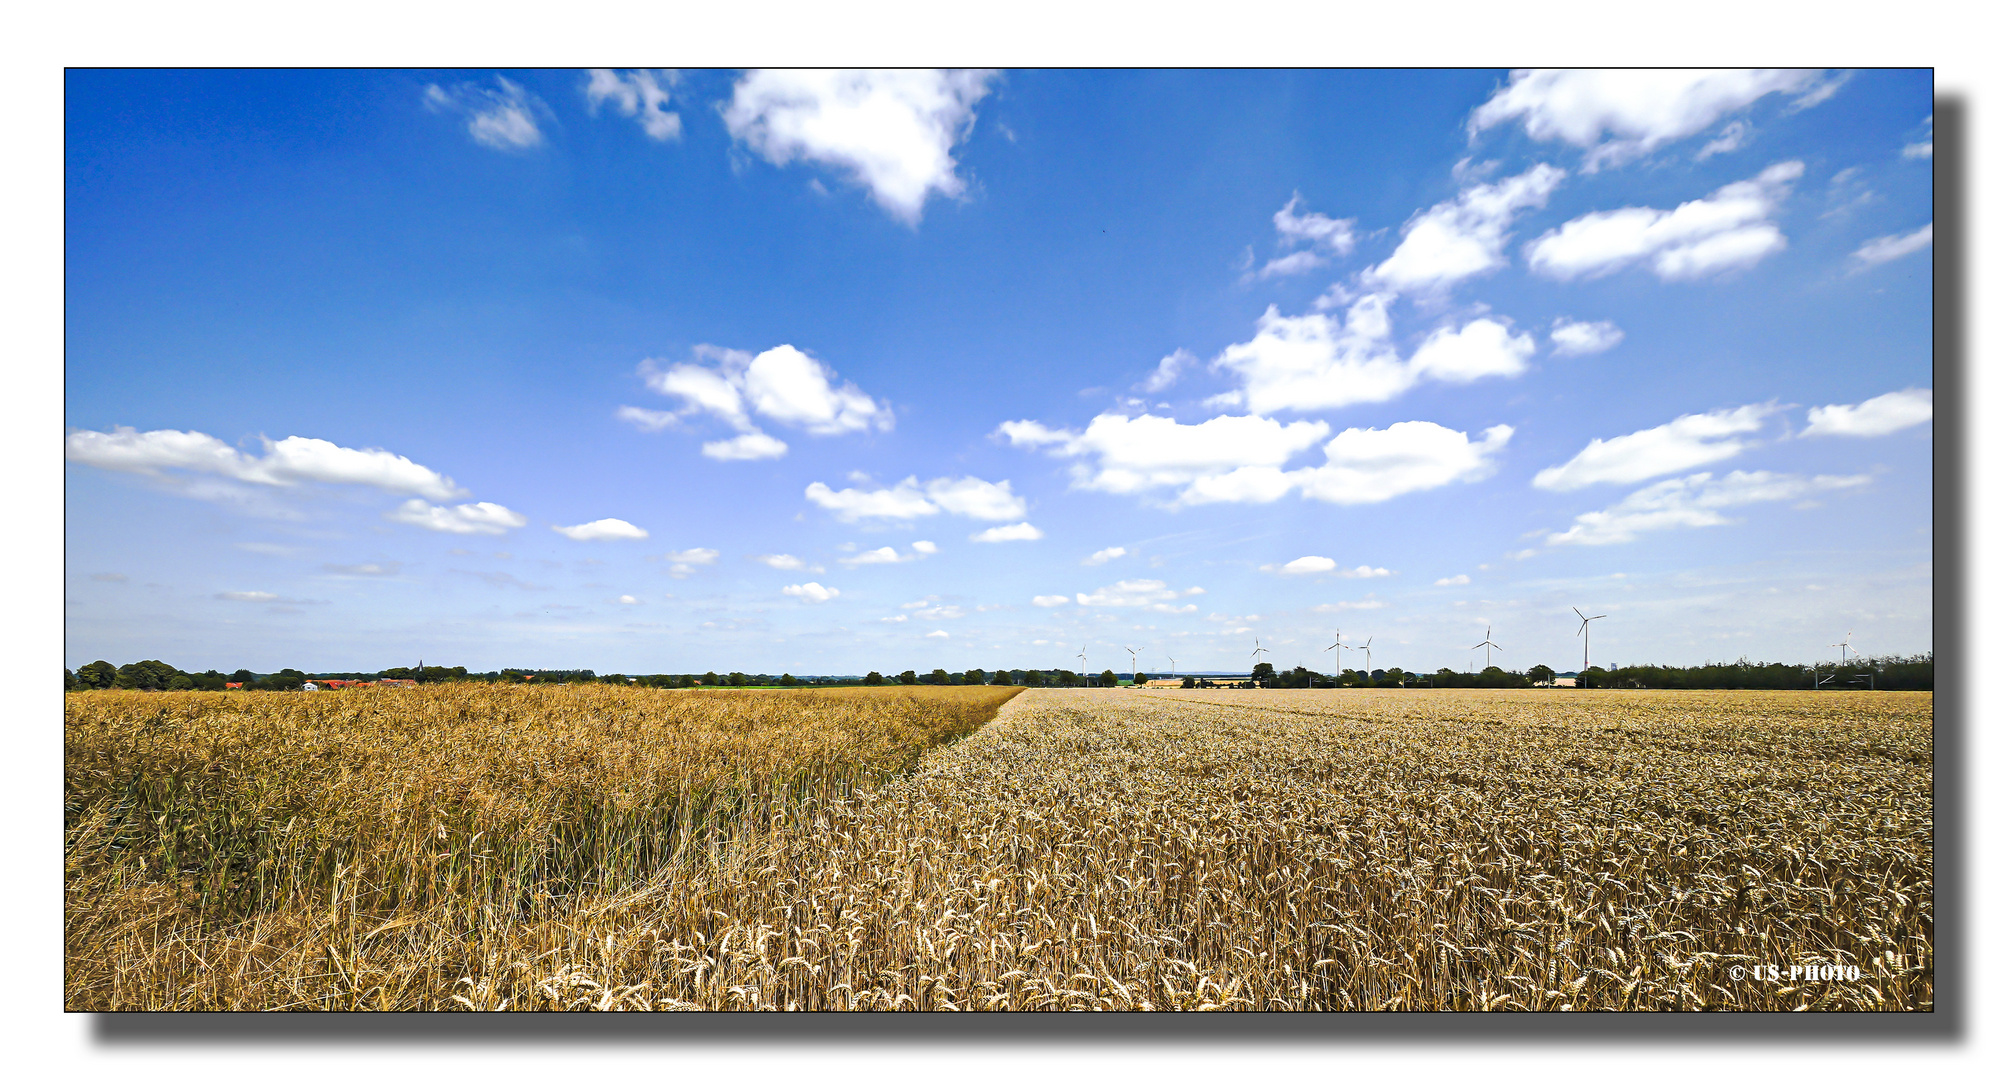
column 610, row 848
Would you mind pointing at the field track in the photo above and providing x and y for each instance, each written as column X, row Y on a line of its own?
column 1158, row 849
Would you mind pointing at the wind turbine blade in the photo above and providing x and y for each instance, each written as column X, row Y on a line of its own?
column 1577, row 611
column 1500, row 648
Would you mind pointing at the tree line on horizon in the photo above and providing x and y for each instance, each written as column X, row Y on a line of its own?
column 1877, row 673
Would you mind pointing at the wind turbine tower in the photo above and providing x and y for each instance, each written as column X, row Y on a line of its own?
column 1488, row 646
column 1842, row 648
column 1584, row 632
column 1368, row 648
column 1258, row 651
column 1134, row 662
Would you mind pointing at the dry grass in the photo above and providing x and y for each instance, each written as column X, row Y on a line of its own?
column 1091, row 849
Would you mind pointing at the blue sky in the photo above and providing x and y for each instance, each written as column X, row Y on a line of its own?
column 644, row 371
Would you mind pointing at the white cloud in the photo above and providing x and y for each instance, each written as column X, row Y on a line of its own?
column 1728, row 141
column 1368, row 465
column 1460, row 579
column 887, row 556
column 1925, row 148
column 1104, row 556
column 683, row 562
column 1687, row 442
column 502, row 118
column 1168, row 371
column 1314, row 230
column 892, row 131
column 641, row 94
column 486, row 518
column 627, row 599
column 754, row 446
column 783, row 384
column 1573, row 338
column 1728, row 230
column 1297, row 262
column 1882, row 415
column 1692, row 502
column 1306, row 363
column 937, row 634
column 811, row 592
column 1148, row 593
column 1620, row 115
column 1306, row 564
column 1240, row 458
column 1882, row 249
column 1367, row 572
column 1464, row 237
column 999, row 534
column 285, row 463
column 1050, row 601
column 646, row 419
column 781, row 562
column 968, row 496
column 602, row 529
column 1480, row 349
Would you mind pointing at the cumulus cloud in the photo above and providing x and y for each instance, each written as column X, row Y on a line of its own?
column 1617, row 116
column 1881, row 415
column 1314, row 234
column 782, row 385
column 1692, row 502
column 1688, row 442
column 1148, row 593
column 780, row 562
column 891, row 131
column 285, row 463
column 888, row 556
column 967, row 496
column 684, row 562
column 1050, row 601
column 1460, row 579
column 1882, row 249
column 1480, row 349
column 1574, row 338
column 486, row 518
column 999, row 534
column 640, row 94
column 1728, row 230
column 937, row 634
column 1364, row 571
column 602, row 529
column 811, row 592
column 1168, row 371
column 1728, row 141
column 1104, row 556
column 1464, row 237
column 1305, row 564
column 503, row 116
column 627, row 599
column 1241, row 458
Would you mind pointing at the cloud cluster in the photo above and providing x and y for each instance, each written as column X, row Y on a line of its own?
column 1307, row 363
column 782, row 385
column 811, row 592
column 966, row 496
column 1692, row 502
column 1311, row 235
column 781, row 562
column 1617, row 116
column 1241, row 458
column 641, row 94
column 684, row 562
column 1464, row 237
column 1728, row 230
column 1147, row 593
column 999, row 534
column 1881, row 415
column 504, row 116
column 1104, row 556
column 1687, row 442
column 891, row 131
column 602, row 529
column 284, row 463
column 1459, row 579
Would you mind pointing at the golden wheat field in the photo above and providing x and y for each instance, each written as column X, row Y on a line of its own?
column 496, row 847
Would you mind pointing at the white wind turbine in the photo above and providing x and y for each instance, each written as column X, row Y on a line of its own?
column 1584, row 632
column 1338, row 665
column 1842, row 647
column 1084, row 657
column 1134, row 662
column 1488, row 646
column 1368, row 648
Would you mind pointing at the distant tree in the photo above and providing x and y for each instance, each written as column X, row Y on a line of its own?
column 975, row 677
column 1391, row 677
column 873, row 679
column 1263, row 674
column 1541, row 674
column 145, row 675
column 1066, row 677
column 1188, row 683
column 1033, row 678
column 737, row 678
column 97, row 675
column 711, row 679
column 1108, row 678
column 1002, row 678
column 787, row 680
column 180, row 682
column 1140, row 678
column 69, row 682
column 938, row 677
column 1595, row 676
column 907, row 678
